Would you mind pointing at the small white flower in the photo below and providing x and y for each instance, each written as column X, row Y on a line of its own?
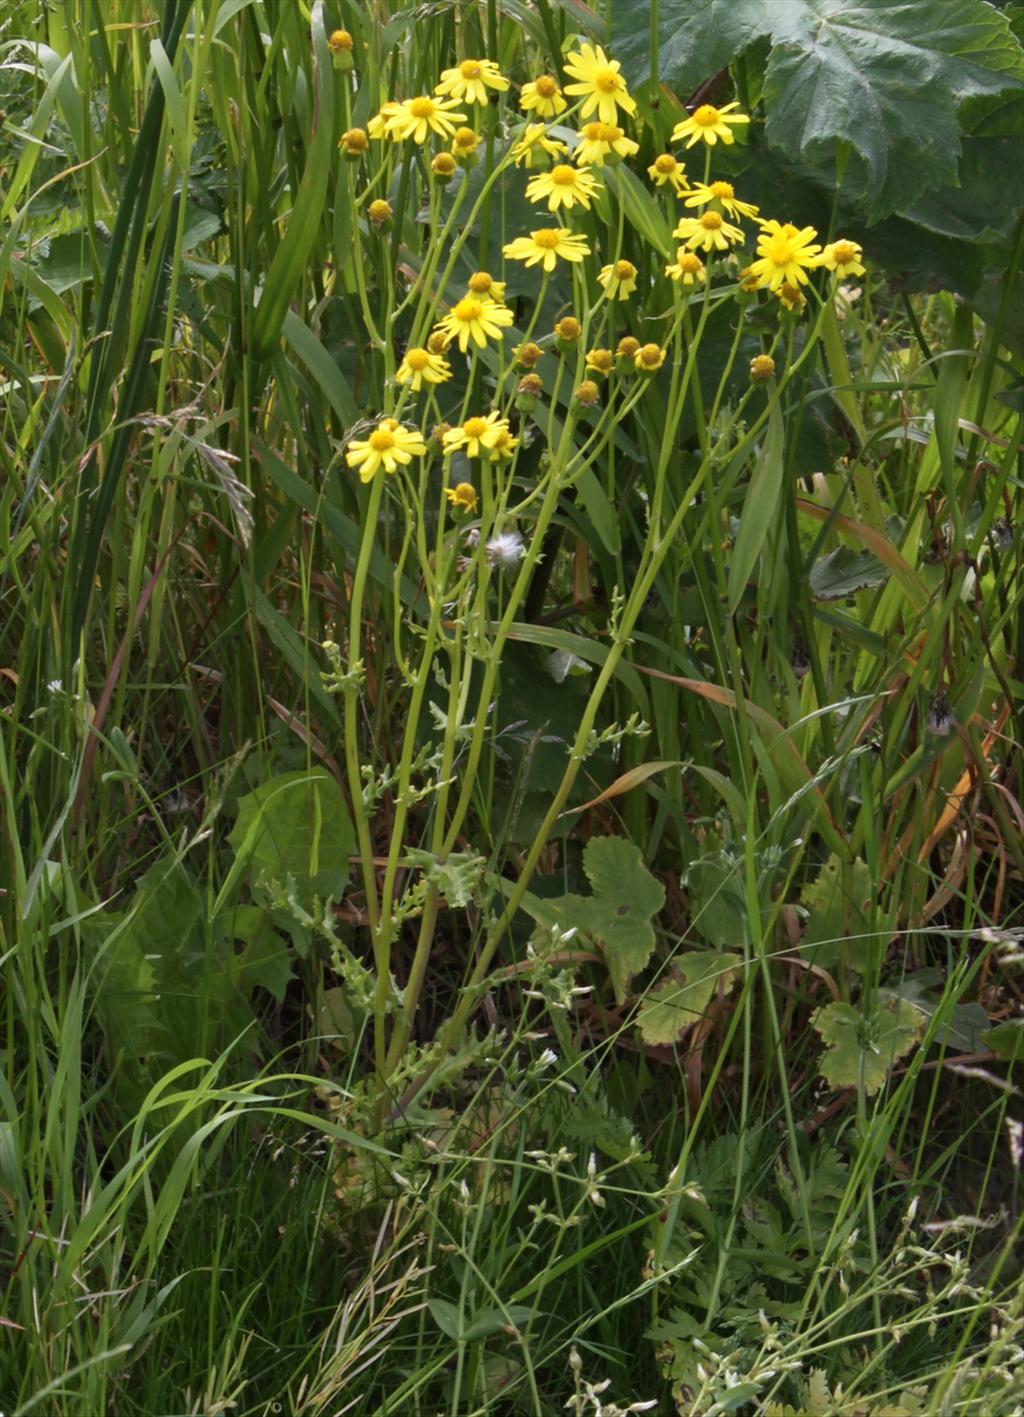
column 545, row 1060
column 55, row 686
column 505, row 549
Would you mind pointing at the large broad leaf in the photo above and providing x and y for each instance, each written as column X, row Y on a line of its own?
column 618, row 914
column 888, row 79
column 296, row 826
column 675, row 1005
column 863, row 1047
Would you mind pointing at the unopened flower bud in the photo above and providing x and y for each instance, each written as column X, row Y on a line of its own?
column 762, row 367
column 443, row 167
column 625, row 353
column 341, row 44
column 379, row 213
column 568, row 331
column 354, row 142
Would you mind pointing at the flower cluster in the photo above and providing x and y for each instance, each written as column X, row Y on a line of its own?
column 566, row 175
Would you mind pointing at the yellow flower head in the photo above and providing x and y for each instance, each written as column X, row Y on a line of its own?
column 463, row 496
column 843, row 257
column 762, row 367
column 533, row 144
column 340, row 42
column 353, row 142
column 379, row 213
column 464, row 143
column 688, row 268
column 543, row 97
column 600, row 361
column 417, row 118
column 666, row 169
column 599, row 82
column 598, row 140
column 475, row 318
column 784, row 254
column 442, row 165
column 528, row 355
column 421, row 366
column 627, row 347
column 721, row 197
column 482, row 283
column 543, row 247
column 505, row 443
column 377, row 127
column 530, row 385
column 618, row 280
column 648, row 358
column 563, row 186
column 568, row 329
column 387, row 447
column 792, row 297
column 707, row 232
column 587, row 393
column 470, row 80
column 477, row 435
column 708, row 124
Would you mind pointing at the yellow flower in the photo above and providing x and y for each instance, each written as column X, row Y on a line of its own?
column 340, row 42
column 353, row 142
column 618, row 280
column 709, row 124
column 531, row 385
column 482, row 283
column 627, row 347
column 417, row 118
column 597, row 140
column 568, row 329
column 784, row 253
column 648, row 358
column 707, row 232
column 545, row 245
column 476, row 435
column 843, row 257
column 420, row 366
column 722, row 196
column 477, row 319
column 600, row 361
column 534, row 142
column 528, row 355
column 442, row 165
column 505, row 443
column 377, row 127
column 464, row 143
column 665, row 168
column 792, row 297
column 587, row 393
column 469, row 82
column 599, row 81
column 379, row 212
column 563, row 186
column 762, row 367
column 388, row 446
column 543, row 97
column 463, row 496
column 688, row 268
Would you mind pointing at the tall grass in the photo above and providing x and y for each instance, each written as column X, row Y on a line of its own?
column 328, row 1085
